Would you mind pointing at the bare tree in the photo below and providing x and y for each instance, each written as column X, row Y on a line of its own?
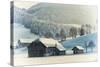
column 48, row 35
column 62, row 34
column 57, row 36
column 82, row 31
column 91, row 45
column 88, row 28
column 86, row 46
column 85, row 29
column 73, row 32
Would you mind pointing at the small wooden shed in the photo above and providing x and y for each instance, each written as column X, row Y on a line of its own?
column 24, row 42
column 78, row 50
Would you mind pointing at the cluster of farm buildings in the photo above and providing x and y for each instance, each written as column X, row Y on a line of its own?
column 46, row 47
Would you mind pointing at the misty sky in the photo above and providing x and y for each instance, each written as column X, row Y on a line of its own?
column 24, row 4
column 91, row 10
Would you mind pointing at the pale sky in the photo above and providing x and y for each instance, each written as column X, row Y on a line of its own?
column 24, row 4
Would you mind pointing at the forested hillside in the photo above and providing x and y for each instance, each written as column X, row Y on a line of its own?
column 54, row 20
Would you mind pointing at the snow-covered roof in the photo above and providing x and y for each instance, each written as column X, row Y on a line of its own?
column 49, row 42
column 60, row 47
column 80, row 47
column 26, row 40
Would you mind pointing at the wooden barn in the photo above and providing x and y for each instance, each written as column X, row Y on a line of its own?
column 45, row 47
column 24, row 42
column 78, row 50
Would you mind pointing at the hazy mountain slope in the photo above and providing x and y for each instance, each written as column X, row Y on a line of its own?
column 51, row 18
column 61, row 13
column 21, row 16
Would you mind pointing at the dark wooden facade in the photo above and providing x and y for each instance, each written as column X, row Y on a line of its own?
column 38, row 49
column 53, row 51
column 77, row 50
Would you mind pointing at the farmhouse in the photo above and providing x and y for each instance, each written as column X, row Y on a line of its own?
column 45, row 47
column 78, row 50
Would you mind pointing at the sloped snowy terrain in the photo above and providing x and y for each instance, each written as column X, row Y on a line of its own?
column 80, row 41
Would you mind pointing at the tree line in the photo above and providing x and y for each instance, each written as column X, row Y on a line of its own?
column 58, row 31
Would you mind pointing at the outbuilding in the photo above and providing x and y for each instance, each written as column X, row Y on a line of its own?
column 78, row 50
column 24, row 42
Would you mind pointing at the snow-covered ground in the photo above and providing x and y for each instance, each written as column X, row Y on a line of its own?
column 20, row 32
column 21, row 54
column 23, row 59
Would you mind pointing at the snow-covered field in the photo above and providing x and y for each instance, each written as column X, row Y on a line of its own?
column 21, row 54
column 23, row 59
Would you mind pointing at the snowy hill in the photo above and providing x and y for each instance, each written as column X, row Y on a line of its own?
column 80, row 40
